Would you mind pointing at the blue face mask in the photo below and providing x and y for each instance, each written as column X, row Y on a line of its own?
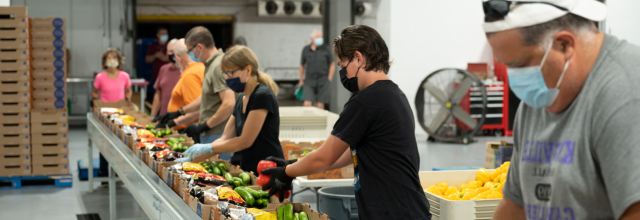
column 164, row 38
column 318, row 41
column 528, row 84
column 235, row 84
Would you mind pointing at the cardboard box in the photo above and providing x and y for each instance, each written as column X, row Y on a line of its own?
column 15, row 149
column 18, row 44
column 48, row 32
column 53, row 22
column 24, row 66
column 15, row 86
column 15, row 107
column 15, row 160
column 14, row 117
column 496, row 153
column 15, row 97
column 47, row 74
column 15, row 170
column 14, row 11
column 41, row 159
column 48, row 63
column 98, row 103
column 342, row 173
column 23, row 54
column 14, row 33
column 203, row 210
column 59, row 115
column 50, row 93
column 49, row 127
column 48, row 41
column 14, row 19
column 50, row 169
column 15, row 139
column 49, row 104
column 45, row 52
column 49, row 138
column 165, row 173
column 49, row 83
column 14, row 75
column 52, row 148
column 14, row 128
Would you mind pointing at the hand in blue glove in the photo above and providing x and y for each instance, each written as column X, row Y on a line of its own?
column 197, row 149
column 182, row 160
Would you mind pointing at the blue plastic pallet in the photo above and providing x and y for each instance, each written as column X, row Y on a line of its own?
column 56, row 181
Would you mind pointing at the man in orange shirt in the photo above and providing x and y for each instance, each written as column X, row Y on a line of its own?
column 188, row 88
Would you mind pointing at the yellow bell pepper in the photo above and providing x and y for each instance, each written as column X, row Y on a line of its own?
column 497, row 187
column 488, row 185
column 494, row 195
column 499, row 178
column 482, row 189
column 432, row 189
column 463, row 186
column 477, row 183
column 494, row 174
column 503, row 179
column 483, row 175
column 452, row 189
column 483, row 195
column 453, row 196
column 467, row 195
column 442, row 187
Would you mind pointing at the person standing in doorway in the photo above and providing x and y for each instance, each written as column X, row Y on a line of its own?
column 167, row 79
column 319, row 66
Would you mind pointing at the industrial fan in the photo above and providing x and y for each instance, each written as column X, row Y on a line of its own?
column 443, row 105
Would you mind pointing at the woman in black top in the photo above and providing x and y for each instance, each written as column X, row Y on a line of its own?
column 253, row 128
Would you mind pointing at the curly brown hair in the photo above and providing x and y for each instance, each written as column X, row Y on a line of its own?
column 367, row 41
column 113, row 51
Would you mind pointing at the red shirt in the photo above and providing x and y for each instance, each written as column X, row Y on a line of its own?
column 167, row 79
column 157, row 63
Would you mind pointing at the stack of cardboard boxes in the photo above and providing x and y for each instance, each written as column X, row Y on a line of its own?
column 15, row 88
column 49, row 117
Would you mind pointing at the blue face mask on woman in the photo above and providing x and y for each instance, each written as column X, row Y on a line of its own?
column 528, row 84
column 235, row 84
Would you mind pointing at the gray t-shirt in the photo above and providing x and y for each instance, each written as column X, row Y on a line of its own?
column 583, row 163
column 317, row 62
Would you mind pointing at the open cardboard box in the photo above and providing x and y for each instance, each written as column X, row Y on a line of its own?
column 340, row 173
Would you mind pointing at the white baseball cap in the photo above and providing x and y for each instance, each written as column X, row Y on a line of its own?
column 527, row 13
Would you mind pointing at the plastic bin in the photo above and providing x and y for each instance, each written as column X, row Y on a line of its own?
column 339, row 203
column 306, row 124
column 443, row 209
column 83, row 172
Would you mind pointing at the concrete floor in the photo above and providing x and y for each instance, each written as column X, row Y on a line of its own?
column 65, row 203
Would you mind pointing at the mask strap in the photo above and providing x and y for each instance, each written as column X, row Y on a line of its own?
column 544, row 58
column 566, row 65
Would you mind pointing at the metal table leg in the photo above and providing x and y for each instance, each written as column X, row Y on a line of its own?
column 143, row 96
column 90, row 165
column 112, row 194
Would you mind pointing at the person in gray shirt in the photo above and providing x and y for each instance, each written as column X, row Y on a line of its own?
column 579, row 121
column 317, row 60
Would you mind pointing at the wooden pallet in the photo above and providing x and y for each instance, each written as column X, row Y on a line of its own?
column 18, row 182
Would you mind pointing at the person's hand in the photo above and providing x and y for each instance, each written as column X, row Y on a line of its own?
column 169, row 123
column 198, row 149
column 182, row 160
column 281, row 162
column 194, row 130
column 159, row 55
column 330, row 78
column 166, row 117
column 301, row 82
column 279, row 182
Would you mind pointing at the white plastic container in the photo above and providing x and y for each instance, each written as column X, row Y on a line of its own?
column 306, row 124
column 443, row 209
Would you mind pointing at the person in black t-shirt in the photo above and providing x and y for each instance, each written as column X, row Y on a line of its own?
column 375, row 133
column 253, row 128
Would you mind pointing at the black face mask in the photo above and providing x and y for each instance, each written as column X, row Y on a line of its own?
column 350, row 84
column 172, row 58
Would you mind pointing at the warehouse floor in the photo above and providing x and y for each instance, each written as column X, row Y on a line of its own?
column 66, row 203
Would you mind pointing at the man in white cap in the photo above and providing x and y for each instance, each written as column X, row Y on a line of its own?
column 578, row 124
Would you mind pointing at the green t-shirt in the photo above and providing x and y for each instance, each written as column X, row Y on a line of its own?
column 213, row 83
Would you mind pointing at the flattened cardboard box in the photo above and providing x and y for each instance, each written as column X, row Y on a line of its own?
column 49, row 127
column 15, row 86
column 14, row 11
column 15, row 170
column 44, row 52
column 14, row 128
column 14, row 75
column 41, row 159
column 15, row 160
column 50, row 93
column 19, row 33
column 52, row 148
column 59, row 115
column 15, row 107
column 50, row 169
column 15, row 22
column 49, row 104
column 14, row 117
column 17, row 44
column 15, row 149
column 15, row 138
column 49, row 138
column 15, row 97
column 23, row 54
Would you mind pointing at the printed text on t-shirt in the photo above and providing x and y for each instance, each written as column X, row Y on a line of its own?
column 548, row 151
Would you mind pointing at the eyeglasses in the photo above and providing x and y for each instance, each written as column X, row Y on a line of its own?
column 191, row 50
column 497, row 9
column 230, row 73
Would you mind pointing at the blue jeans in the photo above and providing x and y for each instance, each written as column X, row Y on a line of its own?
column 210, row 138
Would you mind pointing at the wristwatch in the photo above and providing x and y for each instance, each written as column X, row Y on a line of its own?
column 181, row 111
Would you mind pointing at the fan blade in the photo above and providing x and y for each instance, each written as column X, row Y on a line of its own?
column 462, row 89
column 464, row 117
column 440, row 117
column 436, row 92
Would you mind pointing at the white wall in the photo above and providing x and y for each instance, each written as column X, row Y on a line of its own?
column 623, row 20
column 429, row 35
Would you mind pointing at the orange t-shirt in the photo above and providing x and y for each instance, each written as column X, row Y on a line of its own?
column 188, row 88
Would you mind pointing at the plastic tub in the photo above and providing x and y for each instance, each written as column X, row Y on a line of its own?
column 339, row 203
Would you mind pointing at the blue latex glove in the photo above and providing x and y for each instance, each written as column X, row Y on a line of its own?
column 182, row 160
column 198, row 149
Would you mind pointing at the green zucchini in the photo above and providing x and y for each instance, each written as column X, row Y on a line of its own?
column 254, row 193
column 288, row 212
column 246, row 196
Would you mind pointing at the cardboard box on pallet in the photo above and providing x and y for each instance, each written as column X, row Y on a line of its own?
column 18, row 139
column 15, row 170
column 14, row 128
column 15, row 97
column 48, row 63
column 14, row 33
column 15, row 149
column 42, row 159
column 15, row 107
column 49, row 74
column 13, row 11
column 50, row 169
column 49, row 127
column 49, row 93
column 58, row 115
column 49, row 104
column 47, row 52
column 22, row 54
column 39, row 41
column 15, row 86
column 14, row 75
column 14, row 117
column 49, row 138
column 48, row 22
column 18, row 44
column 52, row 83
column 15, row 159
column 13, row 20
column 50, row 148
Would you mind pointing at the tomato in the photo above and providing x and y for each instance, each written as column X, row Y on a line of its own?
column 263, row 179
column 286, row 194
column 265, row 164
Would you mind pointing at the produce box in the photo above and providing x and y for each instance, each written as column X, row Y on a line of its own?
column 15, row 138
column 15, row 170
column 14, row 128
column 340, row 173
column 313, row 215
column 58, row 115
column 49, row 127
column 24, row 96
column 50, row 148
column 15, row 107
column 444, row 209
column 50, row 169
column 203, row 210
column 42, row 159
column 14, row 117
column 49, row 138
column 497, row 153
column 15, row 160
column 15, row 149
column 21, row 76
